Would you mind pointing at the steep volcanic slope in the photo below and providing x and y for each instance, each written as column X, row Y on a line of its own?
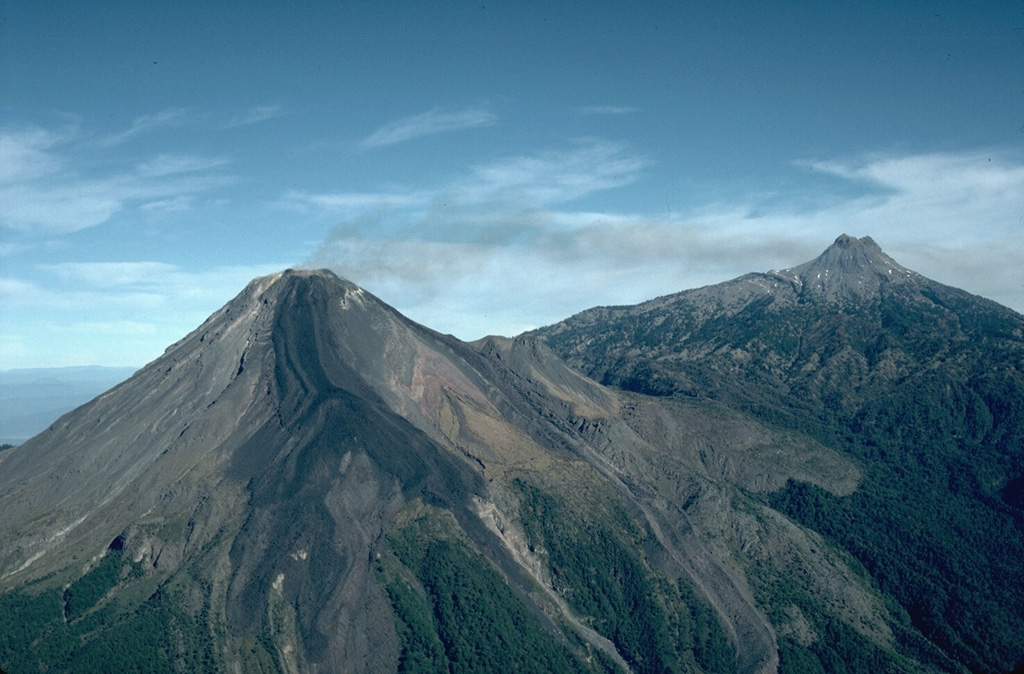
column 922, row 385
column 311, row 482
column 246, row 449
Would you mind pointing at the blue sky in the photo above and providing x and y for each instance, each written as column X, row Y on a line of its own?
column 487, row 167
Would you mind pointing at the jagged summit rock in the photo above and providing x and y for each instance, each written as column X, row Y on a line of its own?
column 850, row 269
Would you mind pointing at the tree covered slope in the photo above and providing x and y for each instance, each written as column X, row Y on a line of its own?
column 920, row 384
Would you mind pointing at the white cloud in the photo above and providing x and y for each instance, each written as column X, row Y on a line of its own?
column 608, row 110
column 552, row 177
column 43, row 191
column 507, row 252
column 122, row 313
column 490, row 191
column 507, row 245
column 353, row 204
column 951, row 198
column 140, row 125
column 179, row 203
column 65, row 206
column 109, row 274
column 15, row 290
column 57, row 209
column 256, row 115
column 428, row 123
column 169, row 164
column 25, row 153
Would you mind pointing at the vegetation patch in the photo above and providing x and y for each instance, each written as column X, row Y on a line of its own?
column 920, row 384
column 455, row 613
column 47, row 629
column 656, row 624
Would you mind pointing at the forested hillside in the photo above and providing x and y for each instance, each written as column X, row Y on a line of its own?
column 920, row 384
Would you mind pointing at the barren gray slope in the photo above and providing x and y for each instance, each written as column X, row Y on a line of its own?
column 252, row 436
column 259, row 462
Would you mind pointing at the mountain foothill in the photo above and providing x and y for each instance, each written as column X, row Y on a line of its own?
column 815, row 469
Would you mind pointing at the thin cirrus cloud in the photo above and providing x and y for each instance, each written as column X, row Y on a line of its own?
column 352, row 204
column 25, row 153
column 553, row 177
column 104, row 288
column 260, row 113
column 939, row 198
column 146, row 123
column 43, row 191
column 426, row 124
column 173, row 164
column 110, row 274
column 70, row 205
column 519, row 183
column 45, row 188
column 509, row 251
column 608, row 110
column 175, row 204
column 154, row 302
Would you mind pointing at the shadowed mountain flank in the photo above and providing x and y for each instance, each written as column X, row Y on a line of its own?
column 310, row 481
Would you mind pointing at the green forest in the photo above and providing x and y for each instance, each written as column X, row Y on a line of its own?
column 922, row 388
column 80, row 629
column 657, row 624
column 455, row 614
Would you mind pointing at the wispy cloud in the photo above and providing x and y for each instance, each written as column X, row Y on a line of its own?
column 260, row 113
column 177, row 204
column 502, row 250
column 25, row 153
column 45, row 188
column 170, row 164
column 353, row 204
column 428, row 123
column 519, row 183
column 146, row 123
column 962, row 196
column 608, row 110
column 154, row 302
column 59, row 209
column 553, row 177
column 110, row 274
column 66, row 206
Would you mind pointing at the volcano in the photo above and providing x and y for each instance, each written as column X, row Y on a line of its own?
column 309, row 481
